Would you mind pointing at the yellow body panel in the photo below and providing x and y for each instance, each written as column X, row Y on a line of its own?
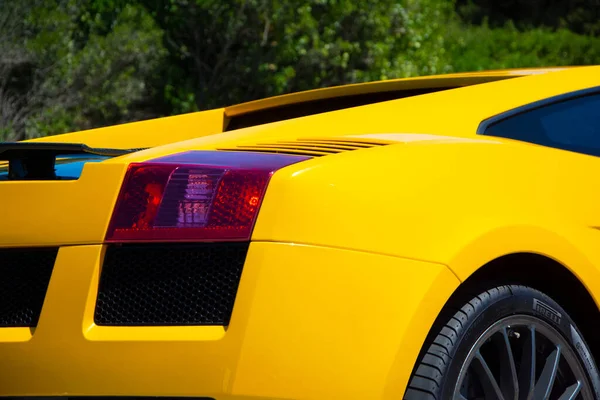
column 42, row 213
column 454, row 112
column 287, row 329
column 150, row 133
column 352, row 257
column 421, row 82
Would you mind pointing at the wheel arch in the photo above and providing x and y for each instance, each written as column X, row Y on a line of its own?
column 546, row 275
column 534, row 270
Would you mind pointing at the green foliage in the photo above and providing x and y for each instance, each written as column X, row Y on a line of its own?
column 228, row 51
column 479, row 48
column 67, row 64
column 578, row 16
column 86, row 77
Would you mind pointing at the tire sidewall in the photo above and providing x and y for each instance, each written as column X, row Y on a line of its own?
column 522, row 301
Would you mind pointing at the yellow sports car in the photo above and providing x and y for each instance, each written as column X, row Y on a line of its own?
column 425, row 238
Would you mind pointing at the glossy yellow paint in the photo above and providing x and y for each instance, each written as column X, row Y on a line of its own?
column 421, row 82
column 43, row 213
column 455, row 112
column 287, row 329
column 480, row 205
column 352, row 257
column 149, row 133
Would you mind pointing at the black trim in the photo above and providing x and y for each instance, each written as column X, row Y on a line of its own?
column 10, row 150
column 483, row 125
column 37, row 161
column 319, row 106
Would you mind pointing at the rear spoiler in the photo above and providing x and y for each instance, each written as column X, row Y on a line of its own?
column 37, row 160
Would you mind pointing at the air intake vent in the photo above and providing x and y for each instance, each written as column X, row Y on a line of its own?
column 24, row 278
column 169, row 284
column 310, row 147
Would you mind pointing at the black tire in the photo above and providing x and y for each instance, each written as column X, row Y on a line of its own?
column 450, row 365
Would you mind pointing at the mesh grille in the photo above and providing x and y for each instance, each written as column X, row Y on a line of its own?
column 143, row 285
column 24, row 278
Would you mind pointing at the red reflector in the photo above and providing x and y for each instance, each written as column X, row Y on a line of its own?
column 195, row 196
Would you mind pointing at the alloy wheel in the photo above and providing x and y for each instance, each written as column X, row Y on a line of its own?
column 522, row 357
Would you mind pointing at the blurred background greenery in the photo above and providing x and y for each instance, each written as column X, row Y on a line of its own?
column 68, row 65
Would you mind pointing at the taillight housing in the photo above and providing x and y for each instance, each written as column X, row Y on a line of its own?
column 194, row 196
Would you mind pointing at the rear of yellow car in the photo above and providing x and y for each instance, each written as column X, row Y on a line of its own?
column 347, row 255
column 144, row 279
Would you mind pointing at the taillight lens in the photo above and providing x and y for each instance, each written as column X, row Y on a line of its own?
column 194, row 196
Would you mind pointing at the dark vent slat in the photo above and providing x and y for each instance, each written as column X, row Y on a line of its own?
column 294, row 147
column 24, row 278
column 324, row 146
column 310, row 147
column 362, row 143
column 169, row 284
column 355, row 145
column 277, row 151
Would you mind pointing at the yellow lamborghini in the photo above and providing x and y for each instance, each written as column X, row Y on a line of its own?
column 426, row 238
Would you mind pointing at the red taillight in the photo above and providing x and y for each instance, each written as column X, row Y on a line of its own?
column 194, row 196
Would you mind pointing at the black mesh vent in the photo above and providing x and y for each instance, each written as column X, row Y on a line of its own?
column 172, row 284
column 24, row 278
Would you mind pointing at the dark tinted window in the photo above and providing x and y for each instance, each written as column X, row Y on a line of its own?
column 570, row 125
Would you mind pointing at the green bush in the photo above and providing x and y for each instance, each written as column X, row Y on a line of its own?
column 67, row 65
column 227, row 51
column 475, row 48
column 75, row 74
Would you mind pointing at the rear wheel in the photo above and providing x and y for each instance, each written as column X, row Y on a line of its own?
column 510, row 342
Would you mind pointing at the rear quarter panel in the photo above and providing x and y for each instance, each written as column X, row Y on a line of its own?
column 461, row 203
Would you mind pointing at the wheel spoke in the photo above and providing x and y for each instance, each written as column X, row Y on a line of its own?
column 521, row 357
column 509, row 384
column 571, row 392
column 486, row 378
column 527, row 370
column 544, row 385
